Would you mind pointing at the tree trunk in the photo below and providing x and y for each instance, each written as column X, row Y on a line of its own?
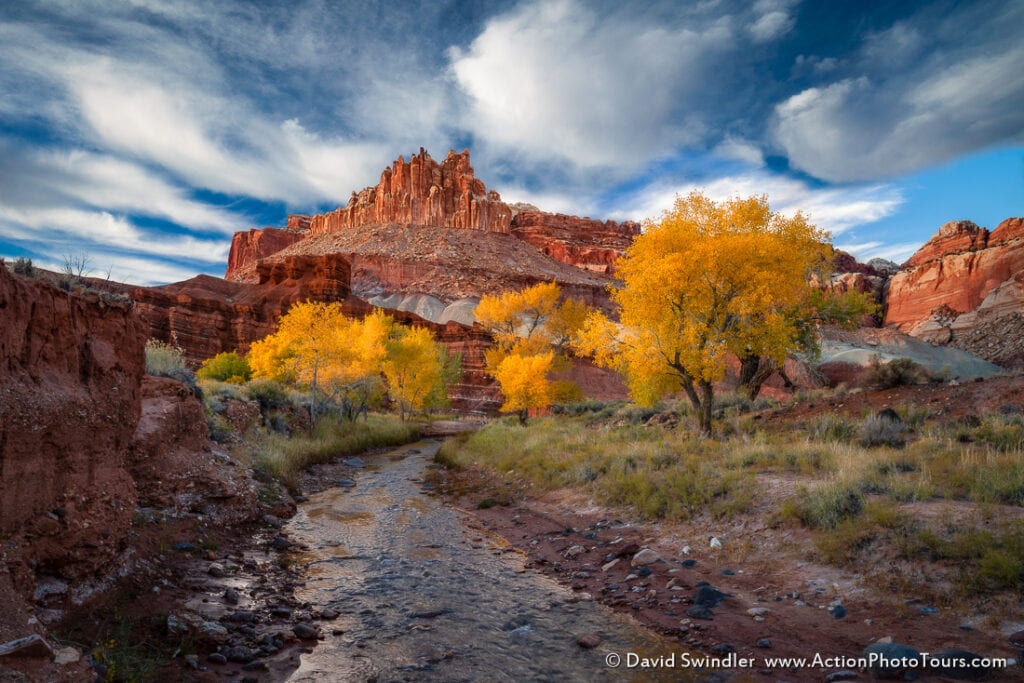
column 754, row 372
column 707, row 400
column 312, row 397
column 524, row 415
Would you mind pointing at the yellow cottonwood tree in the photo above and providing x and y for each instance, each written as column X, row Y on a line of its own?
column 707, row 279
column 524, row 382
column 416, row 367
column 531, row 329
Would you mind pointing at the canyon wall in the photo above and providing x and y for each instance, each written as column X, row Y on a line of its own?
column 250, row 246
column 965, row 287
column 581, row 242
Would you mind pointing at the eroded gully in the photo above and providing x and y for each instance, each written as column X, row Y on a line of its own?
column 423, row 595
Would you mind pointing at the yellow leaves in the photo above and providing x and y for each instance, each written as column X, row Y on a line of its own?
column 318, row 346
column 530, row 328
column 524, row 381
column 414, row 366
column 707, row 279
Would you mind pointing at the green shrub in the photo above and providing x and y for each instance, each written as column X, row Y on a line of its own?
column 268, row 393
column 225, row 367
column 880, row 430
column 833, row 428
column 896, row 373
column 23, row 266
column 826, row 506
column 166, row 360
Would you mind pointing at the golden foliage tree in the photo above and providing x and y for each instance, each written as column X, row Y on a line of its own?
column 417, row 369
column 708, row 279
column 348, row 360
column 531, row 329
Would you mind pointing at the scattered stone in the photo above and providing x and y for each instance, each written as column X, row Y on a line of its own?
column 242, row 616
column 709, row 596
column 217, row 658
column 645, row 557
column 183, row 546
column 280, row 543
column 240, row 654
column 216, row 569
column 728, row 572
column 758, row 611
column 213, row 632
column 763, row 643
column 306, row 632
column 357, row 463
column 722, row 649
column 328, row 614
column 66, row 655
column 929, row 610
column 887, row 653
column 837, row 611
column 192, row 661
column 611, row 564
column 714, row 543
column 689, row 563
column 644, row 571
column 844, row 675
column 700, row 612
column 589, row 641
column 281, row 612
column 1016, row 639
column 574, row 552
column 955, row 664
column 48, row 588
column 175, row 625
column 231, row 596
column 345, row 483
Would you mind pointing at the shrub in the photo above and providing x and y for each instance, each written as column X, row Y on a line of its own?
column 882, row 430
column 225, row 367
column 268, row 393
column 23, row 266
column 897, row 372
column 167, row 360
column 833, row 428
column 826, row 506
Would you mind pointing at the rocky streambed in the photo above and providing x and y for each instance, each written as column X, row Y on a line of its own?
column 421, row 594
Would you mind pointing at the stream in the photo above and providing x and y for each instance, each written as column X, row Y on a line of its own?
column 424, row 596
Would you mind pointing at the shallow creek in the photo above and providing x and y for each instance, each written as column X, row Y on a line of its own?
column 422, row 595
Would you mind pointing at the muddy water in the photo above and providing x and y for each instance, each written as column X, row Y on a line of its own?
column 424, row 596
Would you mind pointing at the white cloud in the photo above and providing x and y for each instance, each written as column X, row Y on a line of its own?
column 554, row 80
column 740, row 150
column 909, row 108
column 833, row 209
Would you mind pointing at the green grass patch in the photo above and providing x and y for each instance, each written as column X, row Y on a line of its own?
column 283, row 458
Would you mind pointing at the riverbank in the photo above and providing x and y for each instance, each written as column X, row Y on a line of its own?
column 782, row 600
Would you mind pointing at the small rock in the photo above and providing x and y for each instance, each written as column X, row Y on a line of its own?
column 589, row 641
column 328, row 614
column 240, row 654
column 644, row 571
column 305, row 631
column 574, row 552
column 242, row 616
column 700, row 612
column 929, row 610
column 645, row 557
column 66, row 655
column 844, row 675
column 728, row 572
column 890, row 652
column 763, row 643
column 231, row 596
column 837, row 611
column 357, row 463
column 611, row 564
column 281, row 612
column 948, row 663
column 689, row 563
column 344, row 483
column 217, row 658
column 216, row 569
column 714, row 543
column 176, row 626
column 192, row 661
column 722, row 649
column 213, row 632
column 280, row 543
column 758, row 611
column 709, row 596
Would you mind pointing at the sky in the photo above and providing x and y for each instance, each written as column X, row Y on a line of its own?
column 142, row 134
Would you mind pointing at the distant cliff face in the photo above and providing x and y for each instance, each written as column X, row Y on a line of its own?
column 445, row 196
column 422, row 192
column 965, row 287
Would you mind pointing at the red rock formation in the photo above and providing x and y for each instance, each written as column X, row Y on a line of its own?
column 70, row 368
column 963, row 278
column 422, row 192
column 249, row 247
column 206, row 315
column 581, row 242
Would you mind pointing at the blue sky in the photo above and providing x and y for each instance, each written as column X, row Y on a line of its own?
column 144, row 133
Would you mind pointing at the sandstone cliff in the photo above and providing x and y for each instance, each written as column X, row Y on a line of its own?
column 247, row 248
column 422, row 192
column 581, row 242
column 964, row 287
